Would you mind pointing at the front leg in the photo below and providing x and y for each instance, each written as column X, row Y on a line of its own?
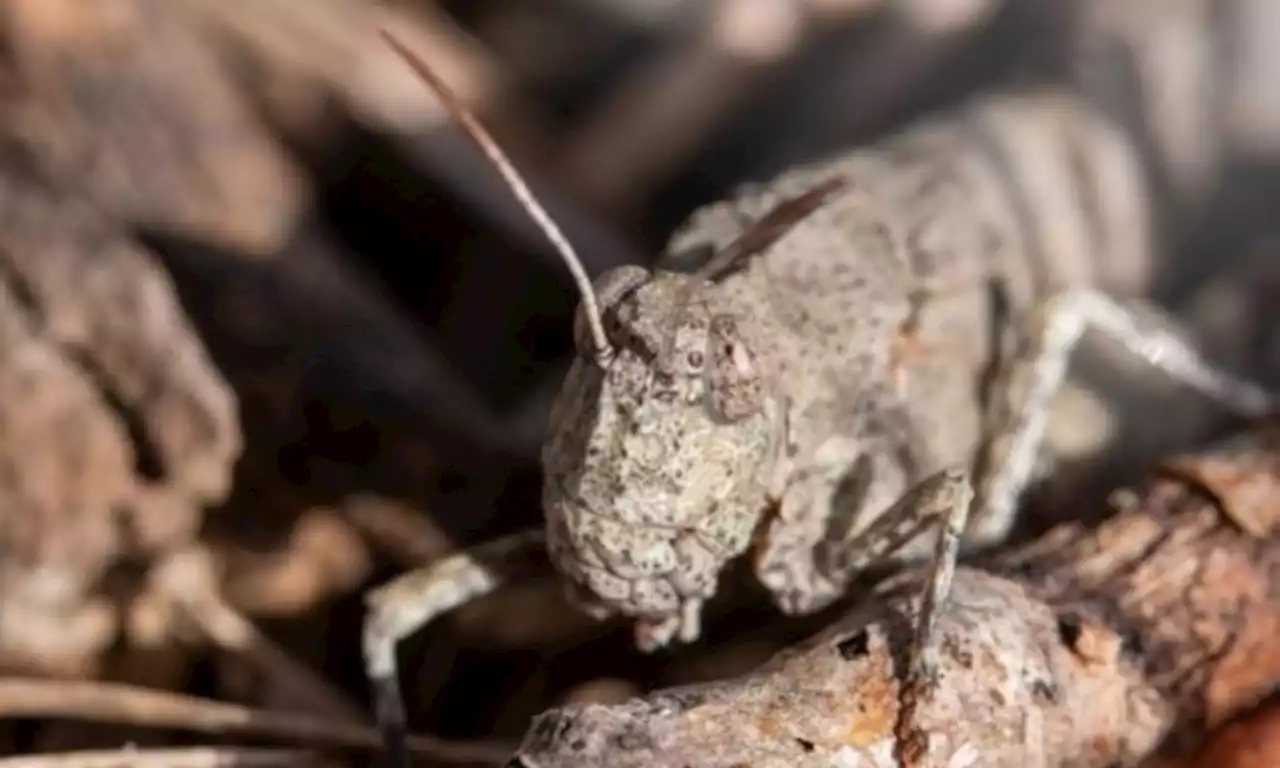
column 945, row 499
column 405, row 605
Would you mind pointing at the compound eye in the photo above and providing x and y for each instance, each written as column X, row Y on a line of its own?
column 611, row 287
column 735, row 387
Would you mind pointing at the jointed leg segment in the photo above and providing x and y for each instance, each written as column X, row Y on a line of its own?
column 1014, row 430
column 984, row 509
column 1020, row 407
column 405, row 605
column 944, row 499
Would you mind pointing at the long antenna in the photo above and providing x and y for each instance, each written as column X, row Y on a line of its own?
column 477, row 133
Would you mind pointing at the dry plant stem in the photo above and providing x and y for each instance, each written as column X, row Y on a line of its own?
column 407, row 538
column 665, row 111
column 1086, row 647
column 235, row 634
column 187, row 577
column 195, row 757
column 140, row 707
column 1249, row 741
column 659, row 115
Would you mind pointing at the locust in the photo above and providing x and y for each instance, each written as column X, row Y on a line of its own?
column 857, row 370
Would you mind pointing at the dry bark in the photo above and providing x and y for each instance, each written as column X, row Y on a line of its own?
column 124, row 102
column 1087, row 647
column 128, row 705
column 1250, row 741
column 127, row 114
column 115, row 428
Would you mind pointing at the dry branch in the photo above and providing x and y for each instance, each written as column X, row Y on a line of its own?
column 188, row 578
column 196, row 757
column 124, row 102
column 663, row 113
column 1087, row 647
column 287, row 55
column 115, row 426
column 131, row 705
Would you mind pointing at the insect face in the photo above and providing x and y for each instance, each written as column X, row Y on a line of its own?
column 656, row 462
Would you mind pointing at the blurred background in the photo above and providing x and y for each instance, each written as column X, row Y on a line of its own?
column 272, row 332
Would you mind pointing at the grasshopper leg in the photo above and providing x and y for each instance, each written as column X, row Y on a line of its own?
column 406, row 604
column 943, row 499
column 985, row 511
column 1019, row 411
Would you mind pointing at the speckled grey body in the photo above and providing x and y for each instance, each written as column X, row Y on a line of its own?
column 854, row 347
column 872, row 349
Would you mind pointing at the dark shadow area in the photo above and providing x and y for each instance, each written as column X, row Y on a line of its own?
column 812, row 107
column 337, row 395
column 498, row 312
column 338, row 400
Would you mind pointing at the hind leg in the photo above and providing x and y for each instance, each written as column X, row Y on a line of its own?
column 1013, row 433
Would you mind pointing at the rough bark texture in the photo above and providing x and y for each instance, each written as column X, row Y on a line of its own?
column 122, row 101
column 1250, row 741
column 115, row 428
column 302, row 182
column 1087, row 647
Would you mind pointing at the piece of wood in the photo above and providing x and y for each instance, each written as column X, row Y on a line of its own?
column 1087, row 647
column 1249, row 741
column 126, row 103
column 135, row 706
column 196, row 757
column 116, row 427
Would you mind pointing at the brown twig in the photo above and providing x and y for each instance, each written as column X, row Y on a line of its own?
column 130, row 705
column 402, row 532
column 663, row 113
column 188, row 578
column 1089, row 646
column 195, row 757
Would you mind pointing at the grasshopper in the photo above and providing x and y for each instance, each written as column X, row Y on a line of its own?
column 869, row 355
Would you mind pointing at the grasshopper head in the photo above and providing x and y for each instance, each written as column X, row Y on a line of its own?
column 656, row 463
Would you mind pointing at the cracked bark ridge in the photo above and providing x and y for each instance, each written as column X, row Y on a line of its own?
column 1089, row 646
column 115, row 428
